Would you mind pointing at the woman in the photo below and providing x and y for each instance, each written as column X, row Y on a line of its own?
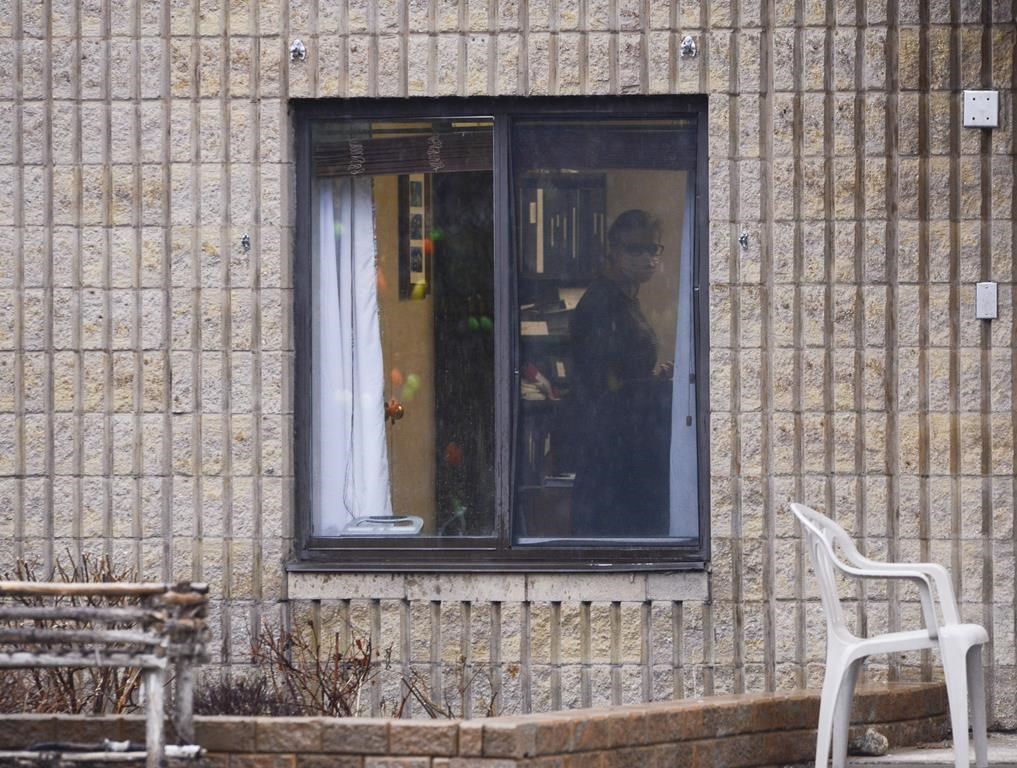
column 622, row 396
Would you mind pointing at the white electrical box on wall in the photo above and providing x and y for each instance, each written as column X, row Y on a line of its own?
column 981, row 109
column 985, row 301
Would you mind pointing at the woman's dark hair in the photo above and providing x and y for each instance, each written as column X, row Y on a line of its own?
column 633, row 220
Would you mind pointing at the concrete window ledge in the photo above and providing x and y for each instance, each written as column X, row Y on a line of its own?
column 501, row 587
column 732, row 731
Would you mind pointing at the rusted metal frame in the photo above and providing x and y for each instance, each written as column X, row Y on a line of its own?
column 56, row 758
column 171, row 614
column 183, row 699
column 36, row 635
column 89, row 589
column 183, row 598
column 155, row 714
column 82, row 613
column 75, row 758
column 97, row 658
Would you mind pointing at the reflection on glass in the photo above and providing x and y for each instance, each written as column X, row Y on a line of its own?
column 402, row 312
column 606, row 419
column 622, row 449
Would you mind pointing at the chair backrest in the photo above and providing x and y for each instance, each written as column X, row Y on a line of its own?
column 821, row 535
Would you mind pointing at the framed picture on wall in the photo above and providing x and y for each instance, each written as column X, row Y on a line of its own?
column 414, row 228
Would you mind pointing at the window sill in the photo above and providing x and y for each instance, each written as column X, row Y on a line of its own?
column 503, row 586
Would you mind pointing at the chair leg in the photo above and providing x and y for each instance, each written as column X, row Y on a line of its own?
column 832, row 682
column 976, row 688
column 842, row 714
column 956, row 673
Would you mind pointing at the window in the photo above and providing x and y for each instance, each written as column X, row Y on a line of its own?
column 499, row 329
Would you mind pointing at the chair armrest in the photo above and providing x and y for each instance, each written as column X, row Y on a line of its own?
column 878, row 570
column 939, row 575
column 825, row 534
column 934, row 571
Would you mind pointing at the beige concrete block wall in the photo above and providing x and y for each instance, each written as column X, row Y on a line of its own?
column 146, row 358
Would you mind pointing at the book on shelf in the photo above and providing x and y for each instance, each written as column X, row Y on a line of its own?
column 562, row 226
column 560, row 480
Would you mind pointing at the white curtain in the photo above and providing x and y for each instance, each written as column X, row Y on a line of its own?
column 350, row 450
column 684, row 455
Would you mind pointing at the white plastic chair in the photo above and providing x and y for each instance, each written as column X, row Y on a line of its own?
column 959, row 644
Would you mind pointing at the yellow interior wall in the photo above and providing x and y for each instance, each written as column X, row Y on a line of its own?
column 407, row 339
column 662, row 195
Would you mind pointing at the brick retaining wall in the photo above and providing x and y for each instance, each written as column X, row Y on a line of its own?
column 147, row 365
column 729, row 731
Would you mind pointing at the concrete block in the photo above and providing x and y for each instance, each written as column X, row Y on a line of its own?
column 225, row 734
column 354, row 735
column 288, row 734
column 423, row 737
column 630, row 587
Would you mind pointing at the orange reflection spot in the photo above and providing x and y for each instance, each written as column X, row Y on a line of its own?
column 396, row 377
column 428, row 247
column 382, row 283
column 454, row 456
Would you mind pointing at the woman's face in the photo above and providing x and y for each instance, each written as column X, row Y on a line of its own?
column 636, row 254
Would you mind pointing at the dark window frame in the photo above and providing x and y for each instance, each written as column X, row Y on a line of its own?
column 497, row 552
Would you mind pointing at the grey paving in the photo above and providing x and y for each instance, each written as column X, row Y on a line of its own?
column 1002, row 754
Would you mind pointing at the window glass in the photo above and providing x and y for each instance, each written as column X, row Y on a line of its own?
column 496, row 310
column 402, row 319
column 606, row 413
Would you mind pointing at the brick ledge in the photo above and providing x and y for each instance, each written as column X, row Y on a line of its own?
column 740, row 731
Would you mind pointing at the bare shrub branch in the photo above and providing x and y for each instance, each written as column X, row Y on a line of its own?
column 70, row 690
